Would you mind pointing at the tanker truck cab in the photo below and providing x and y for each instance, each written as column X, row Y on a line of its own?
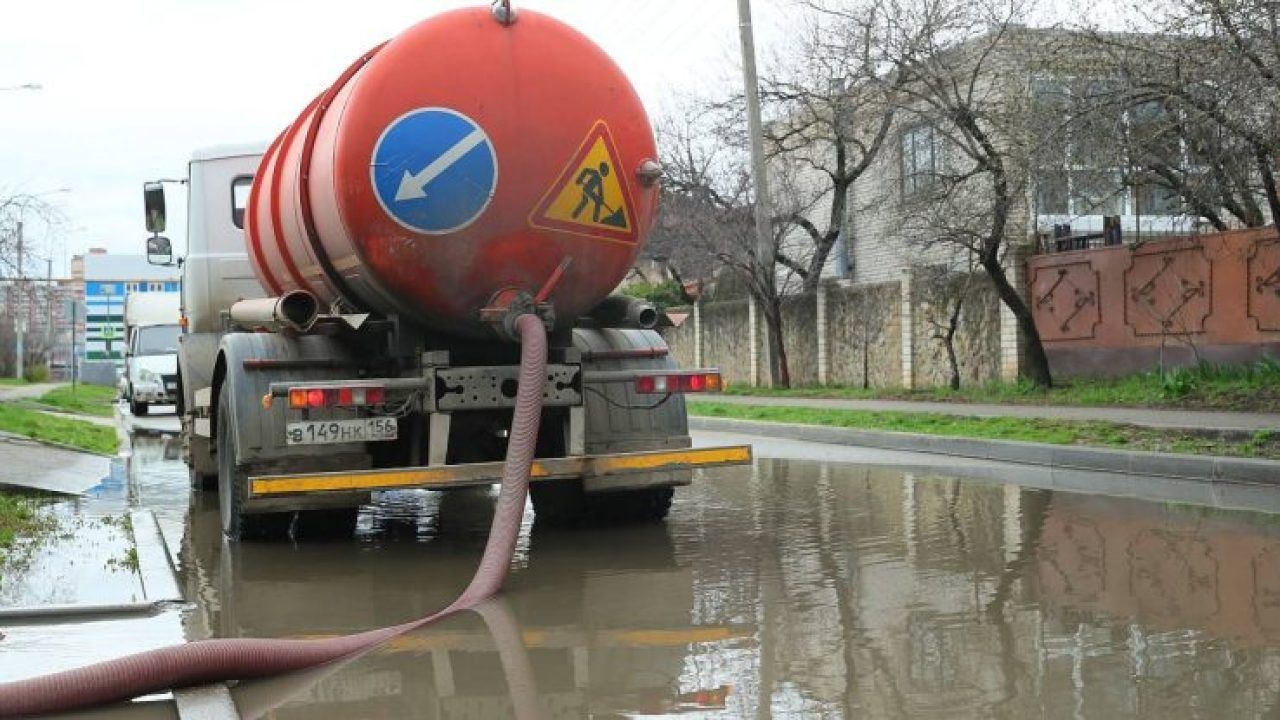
column 215, row 274
column 351, row 293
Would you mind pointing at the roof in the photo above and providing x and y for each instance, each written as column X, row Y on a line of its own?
column 217, row 152
column 126, row 267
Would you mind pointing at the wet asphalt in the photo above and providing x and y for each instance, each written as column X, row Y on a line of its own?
column 821, row 582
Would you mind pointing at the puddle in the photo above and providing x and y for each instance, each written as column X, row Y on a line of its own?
column 799, row 588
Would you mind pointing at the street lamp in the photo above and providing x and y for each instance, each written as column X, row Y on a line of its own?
column 20, row 326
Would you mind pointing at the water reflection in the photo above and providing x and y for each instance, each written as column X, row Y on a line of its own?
column 807, row 589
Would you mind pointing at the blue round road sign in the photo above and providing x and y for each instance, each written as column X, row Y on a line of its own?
column 434, row 170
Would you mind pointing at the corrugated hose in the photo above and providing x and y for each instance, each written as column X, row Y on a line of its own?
column 208, row 661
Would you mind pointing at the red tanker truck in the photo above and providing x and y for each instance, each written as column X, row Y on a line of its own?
column 348, row 291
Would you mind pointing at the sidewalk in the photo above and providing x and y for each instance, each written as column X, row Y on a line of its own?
column 1241, row 422
column 9, row 393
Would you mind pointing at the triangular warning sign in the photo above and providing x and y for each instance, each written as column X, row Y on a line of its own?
column 590, row 196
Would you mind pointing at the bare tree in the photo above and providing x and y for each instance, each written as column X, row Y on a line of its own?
column 707, row 212
column 1195, row 87
column 28, row 226
column 832, row 117
column 31, row 221
column 963, row 117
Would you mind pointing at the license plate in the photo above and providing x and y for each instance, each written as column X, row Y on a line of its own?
column 324, row 432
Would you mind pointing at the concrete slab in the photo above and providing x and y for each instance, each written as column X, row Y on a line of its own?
column 209, row 702
column 31, row 465
column 159, row 581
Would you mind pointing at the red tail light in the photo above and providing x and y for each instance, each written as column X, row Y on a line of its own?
column 320, row 397
column 682, row 382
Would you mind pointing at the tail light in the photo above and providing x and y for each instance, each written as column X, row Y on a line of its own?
column 682, row 382
column 303, row 398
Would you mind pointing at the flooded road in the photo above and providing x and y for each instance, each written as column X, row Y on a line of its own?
column 807, row 588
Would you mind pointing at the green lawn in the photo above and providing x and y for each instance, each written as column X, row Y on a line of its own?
column 1253, row 387
column 12, row 381
column 84, row 400
column 65, row 431
column 1103, row 434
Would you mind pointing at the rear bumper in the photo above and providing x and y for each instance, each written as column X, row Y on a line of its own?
column 446, row 477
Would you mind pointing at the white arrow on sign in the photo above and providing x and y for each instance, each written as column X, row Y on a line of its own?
column 414, row 187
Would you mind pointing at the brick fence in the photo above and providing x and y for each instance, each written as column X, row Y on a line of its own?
column 1117, row 310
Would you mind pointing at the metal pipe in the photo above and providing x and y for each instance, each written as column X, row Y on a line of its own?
column 625, row 312
column 295, row 310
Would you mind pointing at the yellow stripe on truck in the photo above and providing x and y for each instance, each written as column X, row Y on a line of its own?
column 444, row 476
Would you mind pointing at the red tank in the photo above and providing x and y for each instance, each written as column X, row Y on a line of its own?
column 464, row 158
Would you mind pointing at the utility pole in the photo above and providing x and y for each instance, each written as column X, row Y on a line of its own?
column 75, row 364
column 759, row 172
column 18, row 319
column 48, row 327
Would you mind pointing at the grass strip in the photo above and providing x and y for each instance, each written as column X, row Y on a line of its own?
column 61, row 430
column 1263, row 444
column 83, row 400
column 1248, row 387
column 19, row 518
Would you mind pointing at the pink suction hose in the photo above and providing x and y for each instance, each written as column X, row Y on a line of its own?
column 209, row 661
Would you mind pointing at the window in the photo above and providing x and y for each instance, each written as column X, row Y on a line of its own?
column 919, row 158
column 1052, row 189
column 131, row 287
column 1097, row 192
column 1156, row 200
column 157, row 340
column 155, row 287
column 240, row 198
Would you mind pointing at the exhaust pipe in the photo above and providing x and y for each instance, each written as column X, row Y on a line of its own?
column 621, row 311
column 295, row 310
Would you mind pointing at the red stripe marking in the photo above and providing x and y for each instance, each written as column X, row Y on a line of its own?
column 322, row 104
column 251, row 224
column 289, row 135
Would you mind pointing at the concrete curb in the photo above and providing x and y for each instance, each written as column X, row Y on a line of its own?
column 1130, row 462
column 155, row 565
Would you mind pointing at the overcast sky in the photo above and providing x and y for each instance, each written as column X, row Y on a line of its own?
column 132, row 86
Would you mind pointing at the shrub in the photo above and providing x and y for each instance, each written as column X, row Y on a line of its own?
column 36, row 373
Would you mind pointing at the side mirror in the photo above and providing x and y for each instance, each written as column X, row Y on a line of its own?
column 159, row 250
column 153, row 200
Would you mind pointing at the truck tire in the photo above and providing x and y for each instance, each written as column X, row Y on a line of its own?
column 137, row 408
column 232, row 481
column 618, row 421
column 202, row 481
column 562, row 502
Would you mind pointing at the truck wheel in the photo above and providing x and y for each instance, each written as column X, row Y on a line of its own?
column 137, row 408
column 563, row 502
column 327, row 523
column 202, row 481
column 232, row 481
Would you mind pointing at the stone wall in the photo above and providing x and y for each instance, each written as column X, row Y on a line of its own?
column 864, row 342
column 682, row 339
column 799, row 328
column 726, row 340
column 977, row 339
column 864, row 335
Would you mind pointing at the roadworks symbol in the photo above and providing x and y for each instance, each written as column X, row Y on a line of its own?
column 590, row 196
